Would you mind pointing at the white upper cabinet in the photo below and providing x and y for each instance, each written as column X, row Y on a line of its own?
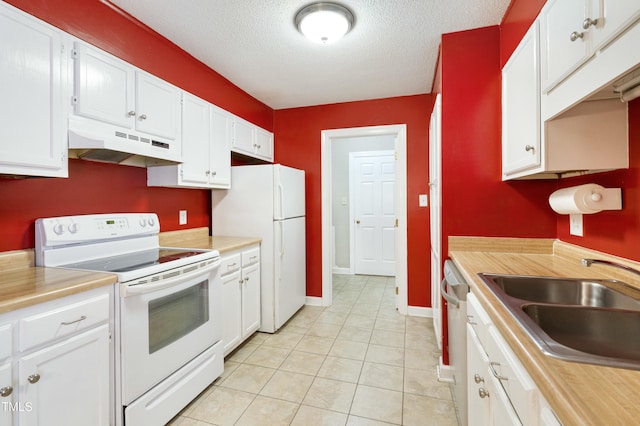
column 611, row 18
column 112, row 91
column 573, row 31
column 521, row 143
column 251, row 140
column 33, row 104
column 157, row 106
column 565, row 44
column 104, row 87
column 220, row 146
column 206, row 155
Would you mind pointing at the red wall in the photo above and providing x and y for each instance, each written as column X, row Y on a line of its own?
column 101, row 188
column 475, row 201
column 515, row 23
column 297, row 144
column 93, row 188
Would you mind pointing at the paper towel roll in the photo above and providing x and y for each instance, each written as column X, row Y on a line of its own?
column 584, row 199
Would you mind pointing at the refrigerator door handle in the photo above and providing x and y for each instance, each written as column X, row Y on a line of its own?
column 281, row 193
column 281, row 239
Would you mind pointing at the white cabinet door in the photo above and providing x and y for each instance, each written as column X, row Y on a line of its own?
column 478, row 413
column 244, row 136
column 264, row 144
column 195, row 141
column 613, row 16
column 232, row 311
column 6, row 389
column 250, row 299
column 104, row 87
column 220, row 146
column 502, row 412
column 68, row 383
column 521, row 147
column 157, row 106
column 33, row 87
column 565, row 44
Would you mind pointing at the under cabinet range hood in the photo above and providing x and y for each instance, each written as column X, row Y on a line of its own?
column 96, row 141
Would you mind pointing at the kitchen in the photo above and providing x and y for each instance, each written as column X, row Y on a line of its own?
column 512, row 209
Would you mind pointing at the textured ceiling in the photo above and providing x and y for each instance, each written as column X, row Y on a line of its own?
column 391, row 51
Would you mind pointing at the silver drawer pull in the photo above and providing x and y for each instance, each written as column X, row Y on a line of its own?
column 34, row 378
column 82, row 318
column 6, row 391
column 478, row 378
column 232, row 265
column 470, row 320
column 495, row 373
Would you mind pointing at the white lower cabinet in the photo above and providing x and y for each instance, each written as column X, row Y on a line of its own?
column 59, row 371
column 67, row 383
column 240, row 271
column 500, row 390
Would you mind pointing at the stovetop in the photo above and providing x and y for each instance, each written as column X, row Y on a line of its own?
column 135, row 261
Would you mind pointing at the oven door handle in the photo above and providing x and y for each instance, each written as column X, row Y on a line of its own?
column 135, row 290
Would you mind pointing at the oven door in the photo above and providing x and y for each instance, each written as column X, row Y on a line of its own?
column 166, row 323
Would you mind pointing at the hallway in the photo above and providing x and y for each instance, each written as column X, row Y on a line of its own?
column 357, row 362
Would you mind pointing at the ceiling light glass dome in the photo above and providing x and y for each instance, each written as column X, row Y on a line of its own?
column 324, row 22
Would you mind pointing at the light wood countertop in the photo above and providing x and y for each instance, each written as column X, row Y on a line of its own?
column 580, row 394
column 199, row 238
column 28, row 286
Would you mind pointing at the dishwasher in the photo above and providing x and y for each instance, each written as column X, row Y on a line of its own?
column 454, row 291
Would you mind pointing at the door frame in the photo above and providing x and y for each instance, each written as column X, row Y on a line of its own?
column 352, row 229
column 327, row 136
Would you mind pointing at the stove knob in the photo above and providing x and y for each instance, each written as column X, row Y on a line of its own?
column 151, row 221
column 143, row 223
column 58, row 228
column 73, row 228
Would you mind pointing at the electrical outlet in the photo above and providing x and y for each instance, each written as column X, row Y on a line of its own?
column 182, row 217
column 422, row 200
column 575, row 225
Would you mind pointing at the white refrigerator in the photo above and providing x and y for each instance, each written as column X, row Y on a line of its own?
column 268, row 201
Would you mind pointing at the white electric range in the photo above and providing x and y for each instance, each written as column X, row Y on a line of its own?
column 168, row 331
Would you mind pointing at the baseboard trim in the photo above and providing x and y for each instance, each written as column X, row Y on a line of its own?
column 419, row 311
column 341, row 271
column 445, row 372
column 313, row 301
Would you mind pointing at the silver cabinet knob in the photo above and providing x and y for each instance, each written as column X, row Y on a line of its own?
column 357, row 221
column 131, row 113
column 6, row 391
column 214, row 173
column 529, row 148
column 478, row 378
column 575, row 35
column 208, row 172
column 483, row 393
column 143, row 117
column 246, row 279
column 34, row 378
column 589, row 22
column 241, row 281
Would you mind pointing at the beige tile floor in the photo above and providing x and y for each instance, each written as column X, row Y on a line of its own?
column 357, row 362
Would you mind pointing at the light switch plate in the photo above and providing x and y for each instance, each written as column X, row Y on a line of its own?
column 183, row 217
column 423, row 200
column 575, row 225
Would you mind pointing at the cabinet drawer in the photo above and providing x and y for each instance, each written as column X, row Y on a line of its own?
column 6, row 340
column 249, row 257
column 65, row 320
column 230, row 264
column 478, row 319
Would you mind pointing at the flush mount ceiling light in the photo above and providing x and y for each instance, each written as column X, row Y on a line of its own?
column 324, row 22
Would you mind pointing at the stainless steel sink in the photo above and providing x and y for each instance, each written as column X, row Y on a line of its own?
column 564, row 291
column 580, row 320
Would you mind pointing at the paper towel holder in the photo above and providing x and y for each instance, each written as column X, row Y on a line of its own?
column 586, row 199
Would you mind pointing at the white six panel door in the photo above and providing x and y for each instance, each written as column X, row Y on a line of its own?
column 373, row 191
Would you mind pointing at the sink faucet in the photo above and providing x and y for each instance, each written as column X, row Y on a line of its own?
column 589, row 262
